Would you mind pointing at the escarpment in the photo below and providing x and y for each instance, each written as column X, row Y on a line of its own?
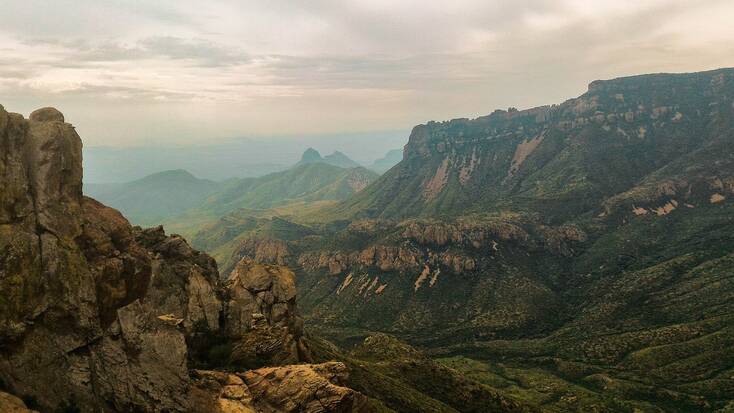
column 563, row 159
column 98, row 315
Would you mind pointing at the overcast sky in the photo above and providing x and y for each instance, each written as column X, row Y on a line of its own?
column 140, row 72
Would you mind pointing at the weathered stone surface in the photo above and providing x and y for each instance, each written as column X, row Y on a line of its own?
column 12, row 404
column 306, row 388
column 303, row 388
column 46, row 115
column 99, row 315
column 261, row 315
column 48, row 312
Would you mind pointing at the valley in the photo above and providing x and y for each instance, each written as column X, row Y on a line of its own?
column 585, row 246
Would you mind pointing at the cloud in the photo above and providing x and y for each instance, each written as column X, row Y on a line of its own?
column 202, row 51
column 355, row 65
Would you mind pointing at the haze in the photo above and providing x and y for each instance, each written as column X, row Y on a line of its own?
column 136, row 73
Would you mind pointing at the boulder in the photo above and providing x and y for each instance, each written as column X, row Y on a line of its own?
column 12, row 404
column 261, row 315
column 46, row 115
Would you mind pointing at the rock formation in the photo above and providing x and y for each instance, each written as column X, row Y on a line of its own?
column 261, row 315
column 12, row 404
column 302, row 388
column 101, row 316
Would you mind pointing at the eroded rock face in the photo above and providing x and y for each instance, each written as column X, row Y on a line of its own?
column 261, row 315
column 102, row 316
column 308, row 388
column 49, row 316
column 266, row 250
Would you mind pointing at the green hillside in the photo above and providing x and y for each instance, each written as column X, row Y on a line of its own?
column 156, row 197
column 308, row 182
column 578, row 257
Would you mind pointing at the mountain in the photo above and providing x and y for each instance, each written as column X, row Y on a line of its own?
column 546, row 159
column 177, row 196
column 149, row 200
column 390, row 159
column 577, row 256
column 339, row 159
column 310, row 155
column 336, row 159
column 307, row 182
column 215, row 161
column 98, row 315
column 235, row 158
column 252, row 205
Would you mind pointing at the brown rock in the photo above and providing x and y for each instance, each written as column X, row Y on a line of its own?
column 304, row 388
column 46, row 115
column 12, row 404
column 261, row 315
column 82, row 289
column 109, row 315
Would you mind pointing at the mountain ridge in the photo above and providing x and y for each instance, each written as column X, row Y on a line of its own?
column 336, row 158
column 533, row 144
column 583, row 246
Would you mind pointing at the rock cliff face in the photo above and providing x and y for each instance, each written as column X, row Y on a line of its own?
column 564, row 159
column 261, row 314
column 102, row 316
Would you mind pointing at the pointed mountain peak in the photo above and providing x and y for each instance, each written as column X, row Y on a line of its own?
column 310, row 155
column 340, row 159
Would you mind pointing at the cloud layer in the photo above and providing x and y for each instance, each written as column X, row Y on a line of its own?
column 129, row 72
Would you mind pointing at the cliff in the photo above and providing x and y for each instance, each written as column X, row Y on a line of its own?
column 99, row 315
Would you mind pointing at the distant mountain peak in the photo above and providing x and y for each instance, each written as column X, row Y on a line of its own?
column 391, row 158
column 336, row 158
column 311, row 155
column 172, row 175
column 340, row 159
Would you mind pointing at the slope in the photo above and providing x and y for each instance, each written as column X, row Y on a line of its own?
column 149, row 200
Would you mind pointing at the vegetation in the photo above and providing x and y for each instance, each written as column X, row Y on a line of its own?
column 579, row 256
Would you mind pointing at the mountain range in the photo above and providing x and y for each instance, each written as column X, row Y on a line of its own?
column 571, row 257
column 576, row 255
column 337, row 158
column 234, row 158
column 163, row 196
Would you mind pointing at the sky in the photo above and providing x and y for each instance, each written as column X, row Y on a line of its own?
column 129, row 73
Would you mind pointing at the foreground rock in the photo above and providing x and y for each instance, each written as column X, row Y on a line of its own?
column 261, row 315
column 98, row 315
column 303, row 388
column 12, row 404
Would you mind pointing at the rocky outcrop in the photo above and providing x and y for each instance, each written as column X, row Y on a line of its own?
column 305, row 388
column 98, row 315
column 267, row 251
column 261, row 315
column 12, row 404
